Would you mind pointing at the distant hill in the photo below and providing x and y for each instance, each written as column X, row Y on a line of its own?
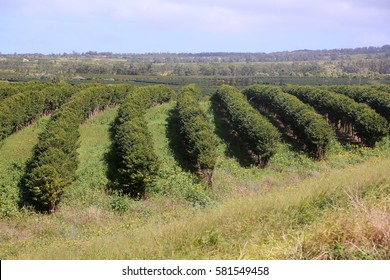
column 297, row 55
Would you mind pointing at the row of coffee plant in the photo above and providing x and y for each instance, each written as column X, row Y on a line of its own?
column 137, row 162
column 9, row 89
column 350, row 117
column 384, row 88
column 308, row 126
column 20, row 109
column 260, row 136
column 54, row 163
column 199, row 139
column 377, row 100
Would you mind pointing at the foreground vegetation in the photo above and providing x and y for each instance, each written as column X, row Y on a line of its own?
column 296, row 208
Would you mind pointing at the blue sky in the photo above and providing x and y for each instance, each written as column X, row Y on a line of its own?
column 139, row 26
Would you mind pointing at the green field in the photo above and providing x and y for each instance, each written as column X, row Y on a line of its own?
column 296, row 208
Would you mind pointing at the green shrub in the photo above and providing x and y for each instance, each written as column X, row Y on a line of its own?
column 199, row 138
column 138, row 164
column 19, row 110
column 377, row 100
column 306, row 124
column 344, row 113
column 260, row 135
column 53, row 166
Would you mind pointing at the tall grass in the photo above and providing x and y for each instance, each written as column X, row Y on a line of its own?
column 271, row 225
column 14, row 153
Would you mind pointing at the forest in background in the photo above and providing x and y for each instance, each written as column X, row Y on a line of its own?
column 368, row 65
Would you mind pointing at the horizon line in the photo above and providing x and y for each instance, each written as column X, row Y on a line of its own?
column 91, row 52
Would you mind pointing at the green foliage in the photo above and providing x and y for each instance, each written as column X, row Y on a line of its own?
column 378, row 100
column 383, row 88
column 259, row 134
column 9, row 194
column 172, row 181
column 199, row 138
column 120, row 204
column 55, row 158
column 138, row 165
column 306, row 124
column 9, row 89
column 90, row 216
column 355, row 118
column 19, row 110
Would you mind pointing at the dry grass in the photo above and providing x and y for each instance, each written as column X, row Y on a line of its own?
column 356, row 231
column 303, row 220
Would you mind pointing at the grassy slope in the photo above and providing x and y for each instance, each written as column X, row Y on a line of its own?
column 173, row 179
column 304, row 220
column 249, row 213
column 15, row 150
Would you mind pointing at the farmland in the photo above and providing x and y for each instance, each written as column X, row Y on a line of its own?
column 215, row 155
column 92, row 171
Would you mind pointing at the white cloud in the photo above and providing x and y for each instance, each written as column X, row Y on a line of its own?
column 192, row 24
column 221, row 16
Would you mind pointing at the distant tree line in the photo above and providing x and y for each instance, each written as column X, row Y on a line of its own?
column 330, row 63
column 298, row 55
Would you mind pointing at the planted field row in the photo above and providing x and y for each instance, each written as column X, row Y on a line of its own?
column 137, row 162
column 198, row 135
column 377, row 100
column 55, row 159
column 255, row 130
column 9, row 89
column 308, row 126
column 344, row 113
column 384, row 88
column 21, row 109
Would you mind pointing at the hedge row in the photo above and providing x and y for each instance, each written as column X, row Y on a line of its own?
column 306, row 124
column 137, row 163
column 377, row 100
column 199, row 138
column 354, row 118
column 55, row 158
column 383, row 88
column 21, row 109
column 9, row 89
column 254, row 129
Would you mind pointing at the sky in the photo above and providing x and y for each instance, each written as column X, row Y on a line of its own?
column 177, row 26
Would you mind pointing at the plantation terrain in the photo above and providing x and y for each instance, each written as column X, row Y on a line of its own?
column 91, row 171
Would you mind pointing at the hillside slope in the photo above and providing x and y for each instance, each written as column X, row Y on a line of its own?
column 336, row 215
column 296, row 208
